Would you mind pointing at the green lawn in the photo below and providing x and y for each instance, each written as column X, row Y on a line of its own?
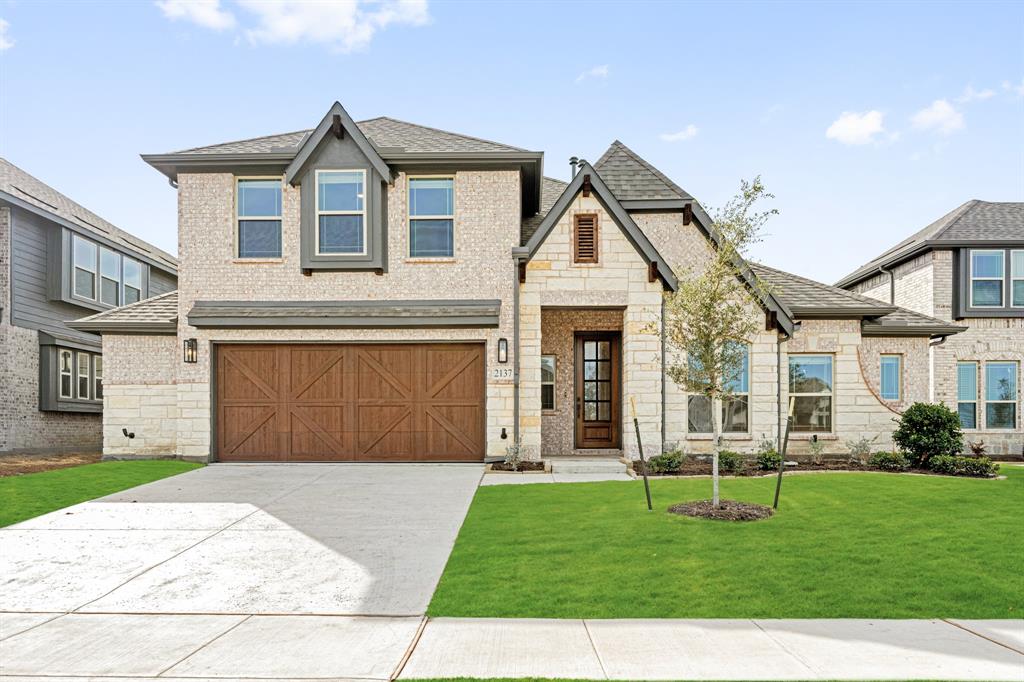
column 841, row 546
column 22, row 497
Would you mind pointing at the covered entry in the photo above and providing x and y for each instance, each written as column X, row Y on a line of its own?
column 350, row 402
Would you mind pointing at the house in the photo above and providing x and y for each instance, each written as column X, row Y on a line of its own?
column 58, row 262
column 966, row 268
column 384, row 291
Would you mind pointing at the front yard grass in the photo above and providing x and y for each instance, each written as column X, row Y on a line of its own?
column 28, row 495
column 841, row 546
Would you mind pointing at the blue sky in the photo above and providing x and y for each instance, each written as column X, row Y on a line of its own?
column 868, row 121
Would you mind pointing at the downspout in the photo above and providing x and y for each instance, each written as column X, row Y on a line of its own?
column 932, row 345
column 892, row 284
column 663, row 398
column 515, row 349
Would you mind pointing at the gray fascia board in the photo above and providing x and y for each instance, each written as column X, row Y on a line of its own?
column 310, row 143
column 916, row 250
column 48, row 339
column 633, row 233
column 910, row 330
column 86, row 232
column 351, row 322
column 105, row 327
column 435, row 314
column 833, row 312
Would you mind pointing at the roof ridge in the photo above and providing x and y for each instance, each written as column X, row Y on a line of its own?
column 244, row 139
column 442, row 130
column 118, row 309
column 646, row 164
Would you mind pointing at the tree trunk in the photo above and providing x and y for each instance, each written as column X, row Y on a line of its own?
column 714, row 456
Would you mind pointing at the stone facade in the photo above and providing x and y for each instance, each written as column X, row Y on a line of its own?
column 140, row 395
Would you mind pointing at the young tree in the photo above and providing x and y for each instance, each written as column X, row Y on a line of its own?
column 709, row 318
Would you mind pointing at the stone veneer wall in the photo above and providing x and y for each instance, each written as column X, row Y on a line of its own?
column 140, row 394
column 487, row 223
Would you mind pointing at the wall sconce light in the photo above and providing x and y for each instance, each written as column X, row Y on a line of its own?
column 502, row 351
column 191, row 350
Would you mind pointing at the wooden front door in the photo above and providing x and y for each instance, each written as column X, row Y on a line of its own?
column 348, row 402
column 598, row 389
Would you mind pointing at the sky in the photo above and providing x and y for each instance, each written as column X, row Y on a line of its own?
column 866, row 120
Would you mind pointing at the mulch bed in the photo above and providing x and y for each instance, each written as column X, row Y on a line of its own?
column 698, row 468
column 523, row 466
column 15, row 464
column 727, row 510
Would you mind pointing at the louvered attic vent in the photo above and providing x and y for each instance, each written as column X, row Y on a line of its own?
column 585, row 238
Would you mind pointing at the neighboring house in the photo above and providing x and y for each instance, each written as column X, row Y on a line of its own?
column 387, row 291
column 967, row 268
column 59, row 261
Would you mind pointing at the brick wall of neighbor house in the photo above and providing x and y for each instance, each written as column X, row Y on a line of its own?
column 988, row 339
column 915, row 283
column 487, row 222
column 140, row 394
column 618, row 280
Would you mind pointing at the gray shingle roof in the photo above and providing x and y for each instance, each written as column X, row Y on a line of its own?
column 975, row 220
column 550, row 190
column 630, row 177
column 155, row 315
column 22, row 186
column 382, row 131
column 807, row 298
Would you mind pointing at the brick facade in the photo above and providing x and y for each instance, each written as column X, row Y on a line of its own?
column 140, row 395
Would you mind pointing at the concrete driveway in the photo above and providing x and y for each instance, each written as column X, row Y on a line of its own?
column 282, row 539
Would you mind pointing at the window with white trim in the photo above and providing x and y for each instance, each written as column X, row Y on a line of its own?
column 891, row 376
column 64, row 358
column 987, row 278
column 431, row 217
column 1000, row 395
column 735, row 409
column 341, row 212
column 82, row 369
column 97, row 377
column 547, row 382
column 84, row 256
column 810, row 392
column 1017, row 278
column 258, row 217
column 967, row 394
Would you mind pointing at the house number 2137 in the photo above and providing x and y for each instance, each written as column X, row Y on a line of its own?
column 501, row 373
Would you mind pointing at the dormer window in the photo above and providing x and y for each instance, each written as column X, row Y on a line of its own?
column 258, row 205
column 341, row 212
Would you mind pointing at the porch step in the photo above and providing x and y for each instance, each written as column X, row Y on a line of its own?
column 579, row 465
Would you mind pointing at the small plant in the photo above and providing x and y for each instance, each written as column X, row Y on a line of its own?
column 817, row 452
column 730, row 461
column 889, row 461
column 958, row 465
column 514, row 455
column 766, row 444
column 978, row 448
column 768, row 460
column 666, row 463
column 928, row 430
column 860, row 449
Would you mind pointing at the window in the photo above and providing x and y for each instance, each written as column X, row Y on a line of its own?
column 967, row 394
column 735, row 408
column 97, row 377
column 258, row 203
column 341, row 212
column 82, row 389
column 891, row 376
column 431, row 217
column 1001, row 395
column 810, row 392
column 84, row 268
column 987, row 279
column 547, row 382
column 584, row 242
column 1017, row 279
column 132, row 281
column 110, row 277
column 64, row 360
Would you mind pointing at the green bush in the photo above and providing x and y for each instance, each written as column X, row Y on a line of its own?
column 889, row 461
column 666, row 463
column 730, row 461
column 958, row 465
column 768, row 460
column 928, row 430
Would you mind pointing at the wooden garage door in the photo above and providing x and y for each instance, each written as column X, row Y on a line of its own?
column 378, row 403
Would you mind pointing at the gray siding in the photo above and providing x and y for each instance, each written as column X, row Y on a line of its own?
column 160, row 282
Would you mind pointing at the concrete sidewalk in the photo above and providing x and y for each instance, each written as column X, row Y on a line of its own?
column 221, row 647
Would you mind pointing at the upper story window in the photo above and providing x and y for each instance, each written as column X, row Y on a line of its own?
column 431, row 217
column 584, row 238
column 110, row 277
column 1017, row 278
column 104, row 275
column 891, row 376
column 810, row 391
column 987, row 278
column 341, row 212
column 84, row 281
column 132, row 281
column 258, row 216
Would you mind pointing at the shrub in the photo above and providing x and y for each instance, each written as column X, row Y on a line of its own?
column 666, row 463
column 889, row 461
column 958, row 465
column 928, row 430
column 977, row 448
column 730, row 461
column 514, row 455
column 768, row 460
column 860, row 449
column 817, row 451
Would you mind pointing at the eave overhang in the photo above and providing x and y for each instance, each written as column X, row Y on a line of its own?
column 923, row 247
column 416, row 314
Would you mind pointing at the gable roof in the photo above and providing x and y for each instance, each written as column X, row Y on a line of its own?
column 156, row 315
column 809, row 299
column 310, row 143
column 611, row 204
column 27, row 191
column 550, row 190
column 973, row 221
column 631, row 178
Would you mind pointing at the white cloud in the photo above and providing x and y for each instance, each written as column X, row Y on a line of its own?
column 5, row 41
column 687, row 133
column 970, row 94
column 856, row 128
column 345, row 25
column 1015, row 89
column 206, row 13
column 940, row 116
column 595, row 72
